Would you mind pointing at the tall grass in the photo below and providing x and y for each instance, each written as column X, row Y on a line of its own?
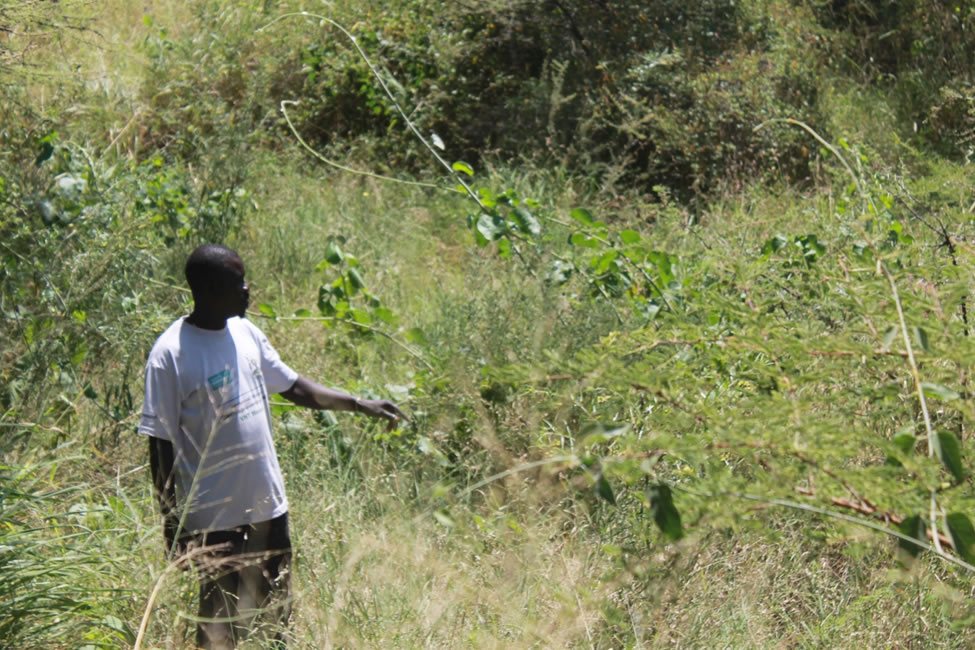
column 404, row 539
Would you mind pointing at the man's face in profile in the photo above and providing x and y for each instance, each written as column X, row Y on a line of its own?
column 232, row 289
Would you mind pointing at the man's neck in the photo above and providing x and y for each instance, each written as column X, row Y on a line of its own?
column 206, row 321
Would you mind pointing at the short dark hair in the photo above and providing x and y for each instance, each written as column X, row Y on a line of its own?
column 206, row 263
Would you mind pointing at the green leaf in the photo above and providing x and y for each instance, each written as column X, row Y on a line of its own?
column 937, row 391
column 578, row 239
column 905, row 442
column 921, row 338
column 415, row 335
column 90, row 391
column 629, row 237
column 889, row 336
column 487, row 197
column 325, row 300
column 386, row 315
column 603, row 262
column 443, row 517
column 598, row 432
column 491, row 227
column 605, row 490
column 526, row 221
column 461, row 166
column 504, row 248
column 267, row 310
column 80, row 352
column 355, row 280
column 46, row 148
column 559, row 272
column 333, row 254
column 361, row 316
column 303, row 313
column 583, row 215
column 664, row 512
column 949, row 451
column 962, row 535
column 913, row 527
column 774, row 245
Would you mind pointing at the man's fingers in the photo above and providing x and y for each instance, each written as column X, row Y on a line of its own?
column 396, row 412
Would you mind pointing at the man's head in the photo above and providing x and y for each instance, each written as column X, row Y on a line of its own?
column 215, row 274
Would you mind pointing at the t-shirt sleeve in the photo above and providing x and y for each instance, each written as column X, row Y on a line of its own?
column 160, row 410
column 278, row 376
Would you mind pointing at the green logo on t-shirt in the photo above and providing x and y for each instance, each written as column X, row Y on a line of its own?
column 220, row 379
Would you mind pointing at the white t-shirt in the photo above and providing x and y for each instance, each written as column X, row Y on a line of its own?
column 207, row 393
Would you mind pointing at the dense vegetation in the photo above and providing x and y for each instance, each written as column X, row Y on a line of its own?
column 681, row 312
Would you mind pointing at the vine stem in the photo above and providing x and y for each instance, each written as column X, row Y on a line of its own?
column 375, row 73
column 416, row 355
column 936, row 548
column 882, row 270
column 332, row 163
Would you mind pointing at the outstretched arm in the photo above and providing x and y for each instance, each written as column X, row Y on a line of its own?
column 161, row 464
column 307, row 393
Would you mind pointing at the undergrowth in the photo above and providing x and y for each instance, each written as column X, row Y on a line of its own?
column 673, row 380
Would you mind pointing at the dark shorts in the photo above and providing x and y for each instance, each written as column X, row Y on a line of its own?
column 245, row 583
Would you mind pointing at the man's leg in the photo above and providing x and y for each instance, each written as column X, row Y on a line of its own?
column 265, row 582
column 219, row 584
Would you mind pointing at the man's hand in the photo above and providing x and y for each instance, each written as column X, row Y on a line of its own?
column 381, row 408
column 307, row 393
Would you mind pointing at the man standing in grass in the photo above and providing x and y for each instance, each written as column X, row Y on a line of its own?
column 213, row 462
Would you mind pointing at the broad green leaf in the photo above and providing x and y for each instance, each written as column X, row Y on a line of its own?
column 361, row 316
column 461, row 166
column 46, row 148
column 914, row 527
column 602, row 262
column 630, row 237
column 491, row 227
column 526, row 221
column 480, row 239
column 80, row 352
column 559, row 272
column 415, row 335
column 302, row 313
column 355, row 280
column 583, row 215
column 664, row 511
column 90, row 391
column 949, row 451
column 578, row 239
column 774, row 245
column 938, row 391
column 267, row 310
column 605, row 490
column 386, row 315
column 333, row 254
column 962, row 535
column 905, row 442
column 504, row 248
column 325, row 300
column 921, row 338
column 488, row 199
